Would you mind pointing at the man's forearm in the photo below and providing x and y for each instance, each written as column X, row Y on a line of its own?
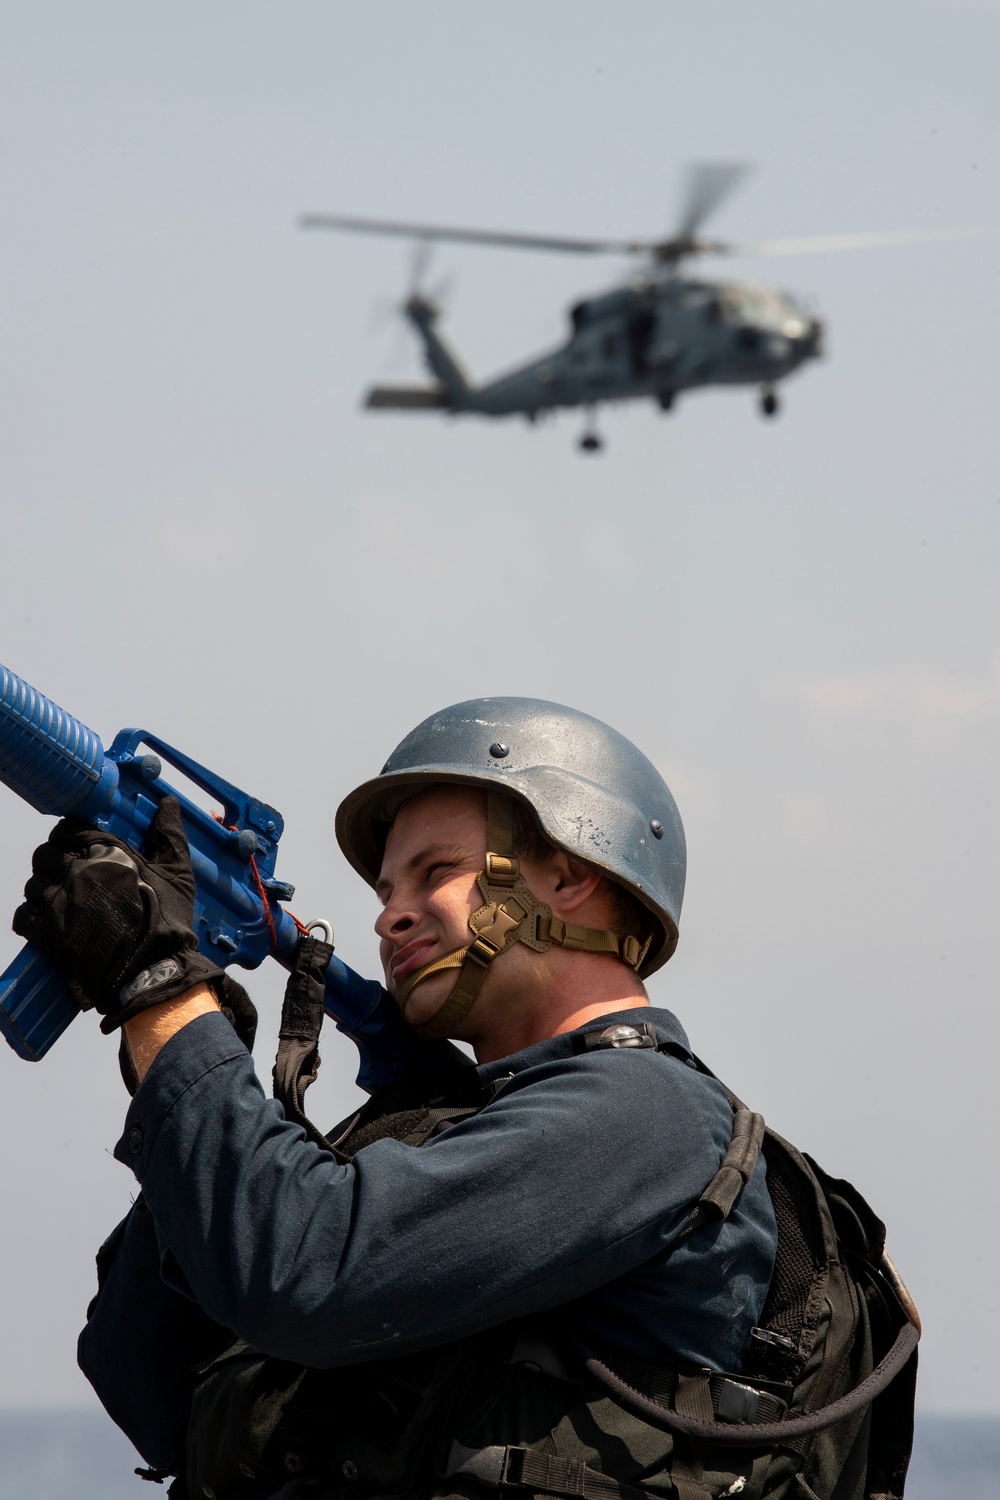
column 151, row 1029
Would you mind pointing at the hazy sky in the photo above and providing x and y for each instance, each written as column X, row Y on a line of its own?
column 203, row 534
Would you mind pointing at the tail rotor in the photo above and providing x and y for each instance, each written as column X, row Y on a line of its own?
column 426, row 301
column 419, row 296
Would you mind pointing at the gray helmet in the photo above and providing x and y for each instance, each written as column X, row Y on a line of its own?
column 593, row 793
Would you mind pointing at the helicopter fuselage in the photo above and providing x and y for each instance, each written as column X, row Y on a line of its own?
column 659, row 339
column 652, row 338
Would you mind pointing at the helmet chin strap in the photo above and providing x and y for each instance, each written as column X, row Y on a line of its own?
column 510, row 914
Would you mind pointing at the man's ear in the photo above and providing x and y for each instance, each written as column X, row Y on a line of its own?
column 570, row 883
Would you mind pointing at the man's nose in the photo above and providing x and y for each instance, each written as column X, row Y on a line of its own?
column 395, row 918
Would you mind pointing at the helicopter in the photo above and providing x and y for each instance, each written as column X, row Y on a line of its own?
column 654, row 336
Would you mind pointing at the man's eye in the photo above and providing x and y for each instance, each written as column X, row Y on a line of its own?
column 433, row 871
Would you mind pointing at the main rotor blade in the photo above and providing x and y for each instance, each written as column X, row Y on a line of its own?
column 708, row 185
column 824, row 244
column 512, row 241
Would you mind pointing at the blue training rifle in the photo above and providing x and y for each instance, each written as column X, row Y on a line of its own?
column 61, row 768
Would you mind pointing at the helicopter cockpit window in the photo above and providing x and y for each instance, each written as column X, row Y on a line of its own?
column 759, row 306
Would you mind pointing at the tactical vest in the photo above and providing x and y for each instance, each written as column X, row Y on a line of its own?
column 822, row 1408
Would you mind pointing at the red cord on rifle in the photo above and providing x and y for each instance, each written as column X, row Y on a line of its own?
column 261, row 891
column 267, row 905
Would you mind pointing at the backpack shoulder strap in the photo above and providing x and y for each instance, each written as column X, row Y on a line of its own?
column 716, row 1202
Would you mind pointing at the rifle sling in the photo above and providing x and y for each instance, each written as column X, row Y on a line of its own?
column 302, row 1011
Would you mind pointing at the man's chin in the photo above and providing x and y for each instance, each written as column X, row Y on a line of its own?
column 426, row 1000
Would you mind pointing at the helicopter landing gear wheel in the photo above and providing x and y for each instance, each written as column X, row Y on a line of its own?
column 590, row 439
column 665, row 400
column 769, row 403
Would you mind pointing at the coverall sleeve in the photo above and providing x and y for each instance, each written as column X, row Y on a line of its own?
column 539, row 1199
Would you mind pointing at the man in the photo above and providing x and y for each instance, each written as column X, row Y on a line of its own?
column 386, row 1313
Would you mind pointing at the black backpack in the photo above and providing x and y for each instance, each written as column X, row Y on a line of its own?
column 823, row 1405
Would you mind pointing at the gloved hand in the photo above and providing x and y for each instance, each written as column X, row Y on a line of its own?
column 118, row 923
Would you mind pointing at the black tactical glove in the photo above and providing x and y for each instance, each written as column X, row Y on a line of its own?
column 118, row 923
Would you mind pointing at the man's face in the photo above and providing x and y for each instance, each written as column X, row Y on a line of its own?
column 427, row 885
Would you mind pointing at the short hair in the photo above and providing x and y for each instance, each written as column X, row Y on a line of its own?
column 628, row 915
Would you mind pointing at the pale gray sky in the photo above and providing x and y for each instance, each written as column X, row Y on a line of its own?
column 202, row 533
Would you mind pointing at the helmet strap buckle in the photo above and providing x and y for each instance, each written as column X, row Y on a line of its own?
column 491, row 937
column 502, row 869
column 633, row 952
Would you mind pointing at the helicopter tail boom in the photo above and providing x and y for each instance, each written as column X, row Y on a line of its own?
column 455, row 384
